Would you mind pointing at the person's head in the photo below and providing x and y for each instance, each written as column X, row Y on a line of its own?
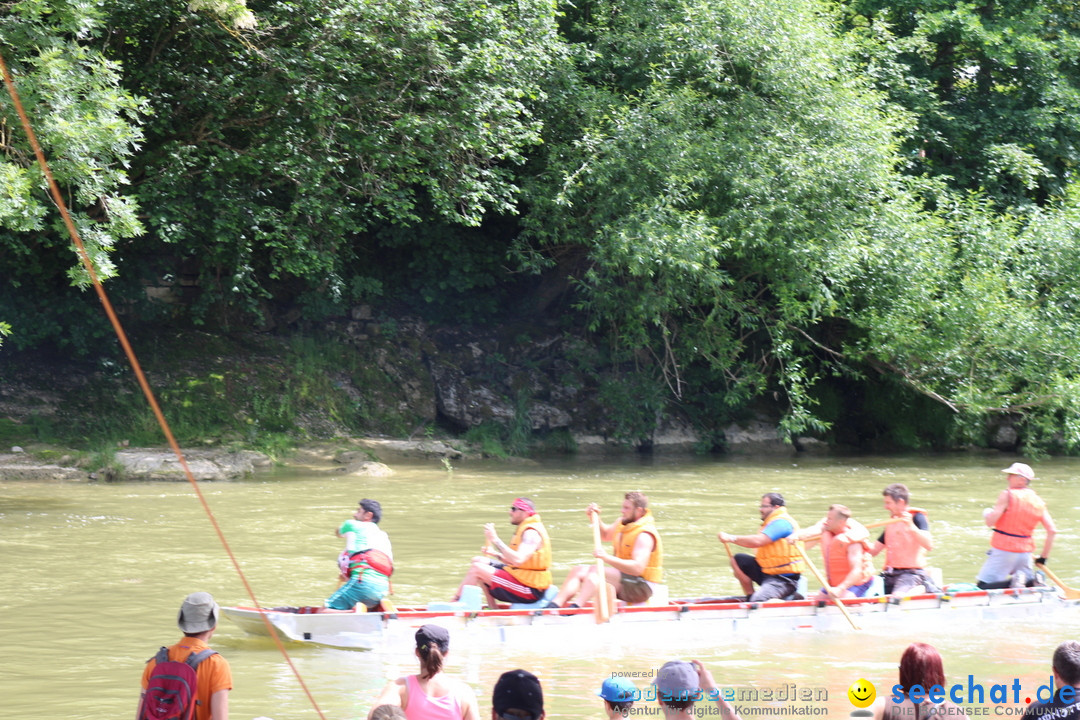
column 921, row 665
column 520, row 509
column 369, row 511
column 634, row 506
column 198, row 614
column 432, row 644
column 517, row 696
column 895, row 499
column 619, row 695
column 836, row 518
column 388, row 712
column 677, row 685
column 769, row 502
column 1066, row 664
column 1019, row 475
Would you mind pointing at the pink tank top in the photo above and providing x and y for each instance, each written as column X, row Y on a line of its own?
column 422, row 707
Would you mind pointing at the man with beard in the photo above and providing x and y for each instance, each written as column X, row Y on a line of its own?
column 520, row 572
column 634, row 570
column 776, row 564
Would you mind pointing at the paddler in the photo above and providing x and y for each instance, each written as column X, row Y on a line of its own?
column 1014, row 517
column 521, row 570
column 905, row 544
column 635, row 569
column 367, row 562
column 776, row 564
column 845, row 549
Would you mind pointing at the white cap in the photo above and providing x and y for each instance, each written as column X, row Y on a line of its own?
column 1020, row 469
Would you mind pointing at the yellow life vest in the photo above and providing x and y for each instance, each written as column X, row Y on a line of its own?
column 535, row 571
column 779, row 557
column 628, row 535
column 1012, row 531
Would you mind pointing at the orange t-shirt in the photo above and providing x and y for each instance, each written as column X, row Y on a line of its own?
column 212, row 675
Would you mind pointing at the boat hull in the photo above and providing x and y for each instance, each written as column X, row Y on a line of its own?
column 685, row 621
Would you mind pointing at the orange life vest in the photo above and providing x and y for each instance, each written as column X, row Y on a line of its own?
column 628, row 535
column 902, row 548
column 1012, row 531
column 779, row 557
column 535, row 571
column 835, row 547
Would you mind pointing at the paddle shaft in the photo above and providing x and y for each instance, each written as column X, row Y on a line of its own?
column 602, row 614
column 828, row 589
column 1070, row 593
column 869, row 526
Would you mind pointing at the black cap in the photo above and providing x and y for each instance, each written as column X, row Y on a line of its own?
column 436, row 635
column 373, row 507
column 518, row 690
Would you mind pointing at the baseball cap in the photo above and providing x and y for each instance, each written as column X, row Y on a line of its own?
column 374, row 507
column 677, row 680
column 518, row 690
column 435, row 635
column 619, row 689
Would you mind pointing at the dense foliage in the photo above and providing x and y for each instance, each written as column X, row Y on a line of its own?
column 864, row 210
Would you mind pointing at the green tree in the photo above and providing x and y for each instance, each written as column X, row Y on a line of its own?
column 88, row 128
column 279, row 158
column 993, row 84
column 722, row 181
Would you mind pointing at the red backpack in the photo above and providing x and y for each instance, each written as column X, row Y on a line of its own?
column 171, row 690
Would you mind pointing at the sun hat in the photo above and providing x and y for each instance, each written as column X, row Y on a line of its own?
column 198, row 614
column 619, row 689
column 1020, row 469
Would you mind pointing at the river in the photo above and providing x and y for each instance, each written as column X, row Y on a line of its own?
column 93, row 575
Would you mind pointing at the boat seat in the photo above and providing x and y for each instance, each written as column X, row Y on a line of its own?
column 549, row 595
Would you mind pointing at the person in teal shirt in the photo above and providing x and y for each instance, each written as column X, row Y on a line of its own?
column 367, row 560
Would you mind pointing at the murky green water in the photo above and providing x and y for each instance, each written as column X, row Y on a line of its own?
column 92, row 576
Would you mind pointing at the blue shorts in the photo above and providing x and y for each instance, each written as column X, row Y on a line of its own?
column 370, row 590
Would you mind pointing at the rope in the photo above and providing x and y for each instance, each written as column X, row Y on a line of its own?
column 122, row 336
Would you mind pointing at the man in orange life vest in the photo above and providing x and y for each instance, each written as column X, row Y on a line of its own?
column 521, row 571
column 845, row 547
column 1014, row 517
column 635, row 569
column 777, row 564
column 905, row 543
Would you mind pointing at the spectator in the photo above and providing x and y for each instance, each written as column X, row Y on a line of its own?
column 430, row 695
column 619, row 695
column 1065, row 705
column 919, row 665
column 517, row 696
column 679, row 684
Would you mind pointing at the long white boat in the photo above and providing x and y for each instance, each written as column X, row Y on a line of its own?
column 686, row 621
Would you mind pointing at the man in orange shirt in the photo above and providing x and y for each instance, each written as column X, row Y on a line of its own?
column 1014, row 517
column 198, row 620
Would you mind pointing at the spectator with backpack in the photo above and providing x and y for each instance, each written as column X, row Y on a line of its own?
column 188, row 680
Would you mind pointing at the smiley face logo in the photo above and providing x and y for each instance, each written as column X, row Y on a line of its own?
column 861, row 693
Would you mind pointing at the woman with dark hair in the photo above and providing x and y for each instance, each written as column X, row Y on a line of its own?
column 921, row 667
column 430, row 695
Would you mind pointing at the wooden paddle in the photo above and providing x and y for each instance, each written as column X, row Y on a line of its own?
column 603, row 612
column 828, row 589
column 870, row 526
column 1070, row 593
